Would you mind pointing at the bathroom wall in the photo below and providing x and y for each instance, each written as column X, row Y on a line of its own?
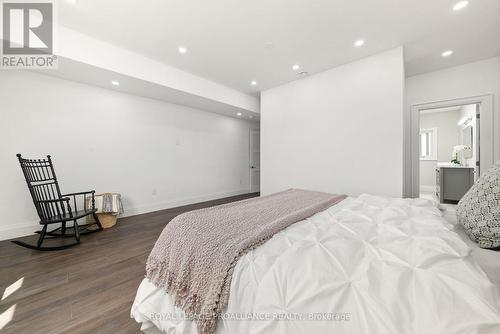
column 448, row 136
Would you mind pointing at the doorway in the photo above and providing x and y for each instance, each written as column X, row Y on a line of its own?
column 449, row 148
column 473, row 132
column 254, row 161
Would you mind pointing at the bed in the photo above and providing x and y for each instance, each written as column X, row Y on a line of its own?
column 365, row 265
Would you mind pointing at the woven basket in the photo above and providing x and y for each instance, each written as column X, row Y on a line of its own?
column 107, row 220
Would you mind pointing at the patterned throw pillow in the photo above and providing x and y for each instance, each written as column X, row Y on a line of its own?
column 479, row 210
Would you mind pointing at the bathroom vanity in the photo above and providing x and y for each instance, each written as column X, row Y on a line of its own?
column 452, row 182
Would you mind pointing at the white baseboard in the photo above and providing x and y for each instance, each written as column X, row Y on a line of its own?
column 19, row 230
column 27, row 228
column 137, row 210
column 428, row 189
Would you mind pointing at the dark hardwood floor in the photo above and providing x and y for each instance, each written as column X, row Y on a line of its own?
column 85, row 289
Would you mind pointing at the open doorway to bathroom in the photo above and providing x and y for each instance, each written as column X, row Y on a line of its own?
column 449, row 146
column 484, row 137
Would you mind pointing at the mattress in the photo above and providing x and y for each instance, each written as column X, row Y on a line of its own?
column 367, row 265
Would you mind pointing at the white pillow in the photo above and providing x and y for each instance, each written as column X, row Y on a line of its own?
column 479, row 210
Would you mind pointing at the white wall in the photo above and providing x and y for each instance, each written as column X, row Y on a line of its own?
column 469, row 80
column 157, row 155
column 448, row 136
column 338, row 131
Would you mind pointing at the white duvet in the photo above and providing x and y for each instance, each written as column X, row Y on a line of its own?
column 367, row 265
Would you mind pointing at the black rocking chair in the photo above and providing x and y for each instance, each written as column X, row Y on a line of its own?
column 54, row 208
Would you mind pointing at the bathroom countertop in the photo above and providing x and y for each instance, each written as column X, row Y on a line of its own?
column 450, row 165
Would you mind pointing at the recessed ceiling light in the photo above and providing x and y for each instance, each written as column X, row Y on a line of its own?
column 182, row 49
column 295, row 67
column 115, row 83
column 254, row 83
column 269, row 45
column 460, row 5
column 447, row 53
column 239, row 114
column 359, row 43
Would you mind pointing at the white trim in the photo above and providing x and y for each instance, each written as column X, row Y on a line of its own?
column 28, row 228
column 147, row 208
column 19, row 230
column 412, row 126
column 428, row 189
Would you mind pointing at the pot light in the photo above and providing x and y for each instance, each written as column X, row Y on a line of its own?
column 295, row 67
column 239, row 114
column 359, row 43
column 447, row 53
column 115, row 83
column 182, row 49
column 253, row 83
column 460, row 5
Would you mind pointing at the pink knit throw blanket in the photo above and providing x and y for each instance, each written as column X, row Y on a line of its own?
column 194, row 257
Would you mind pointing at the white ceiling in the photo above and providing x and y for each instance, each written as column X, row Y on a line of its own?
column 70, row 69
column 234, row 42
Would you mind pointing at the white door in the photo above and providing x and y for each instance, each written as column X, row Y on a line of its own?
column 254, row 161
column 476, row 142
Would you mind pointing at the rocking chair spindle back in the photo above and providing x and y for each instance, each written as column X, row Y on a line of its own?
column 52, row 206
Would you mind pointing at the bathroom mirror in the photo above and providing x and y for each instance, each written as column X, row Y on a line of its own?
column 467, row 136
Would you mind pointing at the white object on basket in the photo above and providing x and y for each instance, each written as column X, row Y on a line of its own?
column 109, row 206
column 109, row 203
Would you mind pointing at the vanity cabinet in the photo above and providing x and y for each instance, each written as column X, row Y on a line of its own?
column 453, row 182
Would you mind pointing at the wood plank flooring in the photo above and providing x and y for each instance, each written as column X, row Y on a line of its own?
column 85, row 289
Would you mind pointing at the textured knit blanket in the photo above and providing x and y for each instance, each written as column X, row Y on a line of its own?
column 195, row 255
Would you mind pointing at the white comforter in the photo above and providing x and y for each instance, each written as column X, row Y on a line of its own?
column 367, row 265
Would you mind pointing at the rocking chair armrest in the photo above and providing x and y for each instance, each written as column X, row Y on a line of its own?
column 48, row 201
column 86, row 195
column 56, row 207
column 80, row 193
